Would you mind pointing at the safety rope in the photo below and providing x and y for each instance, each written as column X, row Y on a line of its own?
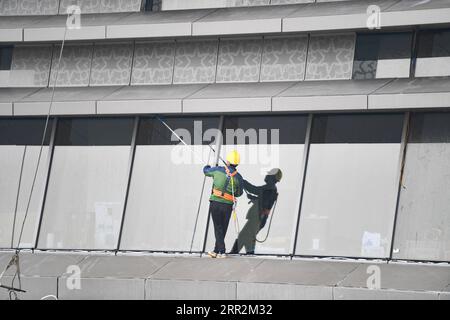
column 234, row 214
column 270, row 225
column 12, row 290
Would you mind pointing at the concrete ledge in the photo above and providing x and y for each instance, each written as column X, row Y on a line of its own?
column 415, row 17
column 6, row 109
column 236, row 27
column 273, row 291
column 306, row 96
column 444, row 296
column 189, row 290
column 306, row 17
column 410, row 100
column 227, row 105
column 103, row 289
column 320, row 103
column 36, row 287
column 58, row 108
column 11, row 35
column 325, row 23
column 148, row 30
column 57, row 33
column 402, row 277
column 156, row 277
column 139, row 106
column 382, row 294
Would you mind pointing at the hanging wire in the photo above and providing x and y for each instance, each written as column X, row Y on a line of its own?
column 43, row 139
column 12, row 291
column 199, row 205
column 270, row 225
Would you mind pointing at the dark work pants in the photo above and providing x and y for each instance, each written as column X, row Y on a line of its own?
column 220, row 214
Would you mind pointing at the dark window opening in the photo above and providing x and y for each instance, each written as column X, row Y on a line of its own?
column 430, row 127
column 152, row 5
column 191, row 129
column 91, row 132
column 291, row 129
column 24, row 132
column 6, row 57
column 375, row 128
column 434, row 43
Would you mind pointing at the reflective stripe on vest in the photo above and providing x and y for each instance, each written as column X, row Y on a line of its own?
column 223, row 195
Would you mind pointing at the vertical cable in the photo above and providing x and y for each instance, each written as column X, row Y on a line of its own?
column 130, row 172
column 43, row 139
column 401, row 169
column 304, row 170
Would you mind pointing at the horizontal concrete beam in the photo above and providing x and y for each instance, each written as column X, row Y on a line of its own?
column 227, row 21
column 6, row 109
column 189, row 290
column 149, row 30
column 302, row 96
column 320, row 103
column 381, row 294
column 227, row 105
column 57, row 108
column 236, row 27
column 139, row 106
column 102, row 289
column 11, row 35
column 410, row 100
column 415, row 17
column 57, row 33
column 274, row 291
column 36, row 288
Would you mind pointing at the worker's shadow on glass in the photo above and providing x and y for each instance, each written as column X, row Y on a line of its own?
column 263, row 199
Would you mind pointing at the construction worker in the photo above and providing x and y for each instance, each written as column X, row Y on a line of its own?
column 263, row 199
column 227, row 186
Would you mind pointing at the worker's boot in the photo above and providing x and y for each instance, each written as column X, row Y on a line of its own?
column 212, row 254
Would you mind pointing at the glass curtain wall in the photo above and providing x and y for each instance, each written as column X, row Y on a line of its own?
column 20, row 141
column 351, row 186
column 87, row 184
column 423, row 221
column 166, row 190
column 265, row 143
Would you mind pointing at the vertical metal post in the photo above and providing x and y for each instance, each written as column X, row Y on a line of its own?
column 414, row 51
column 400, row 172
column 130, row 172
column 302, row 189
column 219, row 143
column 51, row 149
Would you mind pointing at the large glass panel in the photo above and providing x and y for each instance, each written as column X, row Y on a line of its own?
column 423, row 221
column 166, row 185
column 351, row 186
column 87, row 185
column 20, row 141
column 265, row 143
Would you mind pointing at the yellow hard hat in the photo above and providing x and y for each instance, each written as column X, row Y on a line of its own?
column 277, row 173
column 234, row 158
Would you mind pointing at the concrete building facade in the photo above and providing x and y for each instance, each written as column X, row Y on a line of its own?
column 349, row 98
